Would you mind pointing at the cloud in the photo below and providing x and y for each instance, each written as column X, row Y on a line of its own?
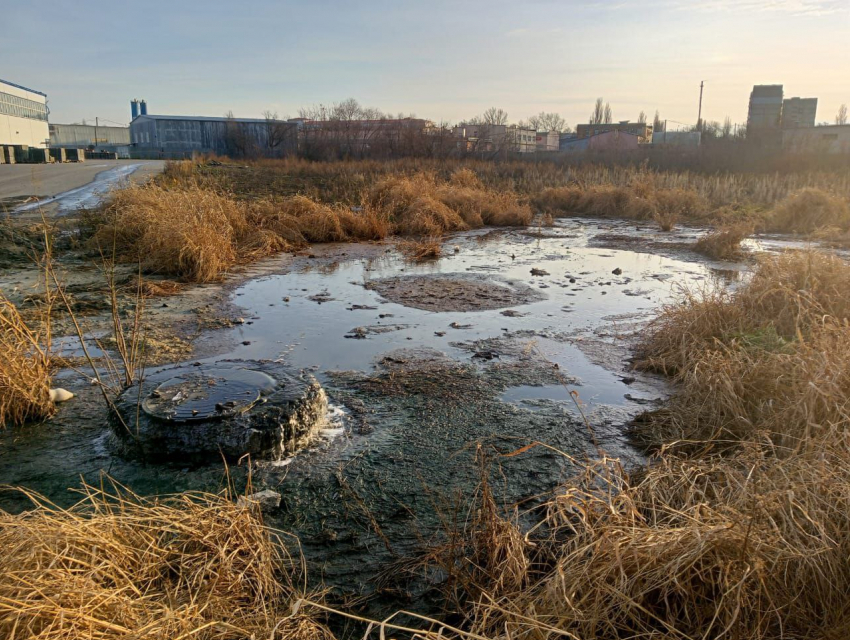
column 795, row 7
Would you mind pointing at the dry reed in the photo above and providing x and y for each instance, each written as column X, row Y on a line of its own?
column 117, row 566
column 724, row 243
column 24, row 368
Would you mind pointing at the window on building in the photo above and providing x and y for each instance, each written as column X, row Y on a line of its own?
column 21, row 107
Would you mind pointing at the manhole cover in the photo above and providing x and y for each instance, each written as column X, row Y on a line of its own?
column 206, row 394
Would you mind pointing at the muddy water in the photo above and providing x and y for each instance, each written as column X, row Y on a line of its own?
column 415, row 390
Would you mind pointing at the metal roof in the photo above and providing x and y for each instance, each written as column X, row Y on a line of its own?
column 18, row 86
column 208, row 119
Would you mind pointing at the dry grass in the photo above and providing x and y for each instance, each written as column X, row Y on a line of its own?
column 810, row 210
column 421, row 249
column 641, row 201
column 190, row 233
column 724, row 243
column 772, row 357
column 747, row 547
column 197, row 233
column 24, row 369
column 120, row 566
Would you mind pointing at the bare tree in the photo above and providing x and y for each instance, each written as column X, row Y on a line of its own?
column 642, row 117
column 236, row 139
column 597, row 116
column 657, row 124
column 277, row 132
column 495, row 116
column 726, row 131
column 609, row 116
column 547, row 122
column 841, row 116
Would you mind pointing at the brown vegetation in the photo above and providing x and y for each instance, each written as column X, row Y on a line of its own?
column 24, row 368
column 638, row 202
column 118, row 566
column 724, row 243
column 197, row 233
column 810, row 210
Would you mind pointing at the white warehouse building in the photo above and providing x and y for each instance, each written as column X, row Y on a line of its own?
column 23, row 116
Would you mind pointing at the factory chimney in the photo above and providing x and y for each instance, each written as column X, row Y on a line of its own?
column 144, row 107
column 134, row 108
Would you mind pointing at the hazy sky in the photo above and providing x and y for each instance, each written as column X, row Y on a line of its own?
column 437, row 59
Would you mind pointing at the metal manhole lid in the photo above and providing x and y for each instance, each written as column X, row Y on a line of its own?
column 206, row 394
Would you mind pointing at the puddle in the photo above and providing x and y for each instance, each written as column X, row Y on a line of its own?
column 87, row 196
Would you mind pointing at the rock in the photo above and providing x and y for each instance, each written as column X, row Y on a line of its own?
column 286, row 299
column 439, row 334
column 618, row 271
column 539, row 272
column 239, row 321
column 457, row 249
column 456, row 325
column 246, row 342
column 60, row 395
column 266, row 500
column 627, row 379
column 572, row 280
column 513, row 313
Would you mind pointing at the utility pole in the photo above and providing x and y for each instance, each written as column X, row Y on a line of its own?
column 699, row 117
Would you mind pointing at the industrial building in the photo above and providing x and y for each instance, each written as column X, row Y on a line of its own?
column 607, row 141
column 160, row 136
column 548, row 140
column 677, row 138
column 95, row 137
column 642, row 130
column 765, row 109
column 495, row 137
column 799, row 112
column 824, row 139
column 23, row 116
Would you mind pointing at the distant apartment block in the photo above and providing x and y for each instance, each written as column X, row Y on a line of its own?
column 799, row 112
column 765, row 110
column 642, row 130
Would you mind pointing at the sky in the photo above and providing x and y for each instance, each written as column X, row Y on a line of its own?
column 442, row 60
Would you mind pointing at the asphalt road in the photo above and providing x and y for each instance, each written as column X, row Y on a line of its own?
column 53, row 179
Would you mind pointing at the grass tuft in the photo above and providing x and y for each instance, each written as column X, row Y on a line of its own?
column 724, row 243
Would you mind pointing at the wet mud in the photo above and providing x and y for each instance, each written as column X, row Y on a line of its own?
column 454, row 292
